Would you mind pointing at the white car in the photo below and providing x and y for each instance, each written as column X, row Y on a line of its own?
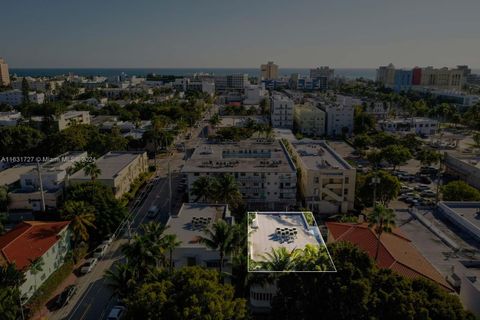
column 88, row 266
column 116, row 313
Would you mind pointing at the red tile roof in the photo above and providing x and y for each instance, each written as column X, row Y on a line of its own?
column 29, row 240
column 396, row 251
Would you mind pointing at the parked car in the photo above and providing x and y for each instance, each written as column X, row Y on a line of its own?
column 100, row 251
column 116, row 313
column 424, row 179
column 152, row 212
column 88, row 266
column 428, row 170
column 422, row 187
column 428, row 194
column 64, row 297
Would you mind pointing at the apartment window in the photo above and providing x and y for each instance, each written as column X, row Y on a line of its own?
column 345, row 191
column 242, row 174
column 346, row 180
column 316, row 180
column 196, row 174
column 191, row 261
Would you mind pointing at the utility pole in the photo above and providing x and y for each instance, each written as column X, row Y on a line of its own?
column 41, row 186
column 169, row 189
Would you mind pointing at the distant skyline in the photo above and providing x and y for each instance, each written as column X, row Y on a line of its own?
column 239, row 34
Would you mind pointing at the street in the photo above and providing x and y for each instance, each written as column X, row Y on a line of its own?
column 94, row 297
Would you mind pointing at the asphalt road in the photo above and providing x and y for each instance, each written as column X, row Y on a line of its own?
column 94, row 298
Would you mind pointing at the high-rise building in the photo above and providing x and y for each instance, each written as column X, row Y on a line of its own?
column 231, row 82
column 322, row 72
column 4, row 75
column 269, row 71
column 386, row 75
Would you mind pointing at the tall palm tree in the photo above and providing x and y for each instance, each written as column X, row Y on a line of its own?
column 381, row 219
column 122, row 278
column 82, row 217
column 170, row 242
column 279, row 259
column 220, row 237
column 140, row 254
column 269, row 133
column 202, row 189
column 36, row 266
column 226, row 190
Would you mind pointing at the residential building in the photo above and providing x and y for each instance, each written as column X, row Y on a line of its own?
column 32, row 240
column 380, row 110
column 418, row 125
column 464, row 167
column 309, row 120
column 402, row 80
column 15, row 97
column 10, row 176
column 37, row 84
column 10, row 118
column 269, row 71
column 189, row 226
column 119, row 169
column 348, row 101
column 443, row 78
column 309, row 84
column 263, row 237
column 53, row 175
column 463, row 214
column 327, row 181
column 322, row 72
column 232, row 82
column 396, row 252
column 339, row 119
column 69, row 118
column 386, row 75
column 263, row 169
column 254, row 94
column 4, row 75
column 281, row 111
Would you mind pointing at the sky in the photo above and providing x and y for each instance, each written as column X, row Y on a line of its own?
column 234, row 33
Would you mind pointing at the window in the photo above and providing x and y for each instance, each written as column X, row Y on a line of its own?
column 191, row 261
column 346, row 180
column 316, row 180
column 196, row 174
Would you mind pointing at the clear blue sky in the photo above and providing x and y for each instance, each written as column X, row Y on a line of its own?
column 234, row 33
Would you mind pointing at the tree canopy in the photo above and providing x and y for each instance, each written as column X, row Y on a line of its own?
column 460, row 191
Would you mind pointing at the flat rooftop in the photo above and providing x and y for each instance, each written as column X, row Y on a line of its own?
column 110, row 165
column 263, row 238
column 11, row 175
column 251, row 155
column 468, row 158
column 192, row 220
column 317, row 155
column 240, row 121
column 468, row 210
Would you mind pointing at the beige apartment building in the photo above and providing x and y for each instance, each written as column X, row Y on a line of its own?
column 309, row 120
column 263, row 169
column 327, row 181
column 118, row 170
column 4, row 75
column 69, row 118
column 269, row 71
column 442, row 78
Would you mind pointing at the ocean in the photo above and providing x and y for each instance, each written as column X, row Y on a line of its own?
column 351, row 73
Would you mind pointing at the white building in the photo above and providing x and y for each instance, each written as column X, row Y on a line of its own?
column 463, row 167
column 327, row 180
column 53, row 174
column 325, row 71
column 281, row 111
column 32, row 240
column 189, row 226
column 379, row 110
column 339, row 119
column 232, row 82
column 418, row 125
column 69, row 118
column 254, row 94
column 15, row 97
column 264, row 172
column 348, row 100
column 10, row 119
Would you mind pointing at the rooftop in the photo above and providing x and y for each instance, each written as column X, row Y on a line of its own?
column 396, row 251
column 192, row 220
column 263, row 238
column 317, row 155
column 468, row 211
column 251, row 155
column 29, row 240
column 110, row 164
column 11, row 175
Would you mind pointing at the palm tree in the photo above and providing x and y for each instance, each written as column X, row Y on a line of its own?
column 140, row 254
column 269, row 133
column 202, row 189
column 10, row 276
column 36, row 266
column 226, row 190
column 220, row 237
column 214, row 120
column 279, row 259
column 92, row 170
column 381, row 219
column 122, row 278
column 82, row 217
column 170, row 242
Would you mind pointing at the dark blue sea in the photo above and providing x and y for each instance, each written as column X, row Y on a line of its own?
column 352, row 73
